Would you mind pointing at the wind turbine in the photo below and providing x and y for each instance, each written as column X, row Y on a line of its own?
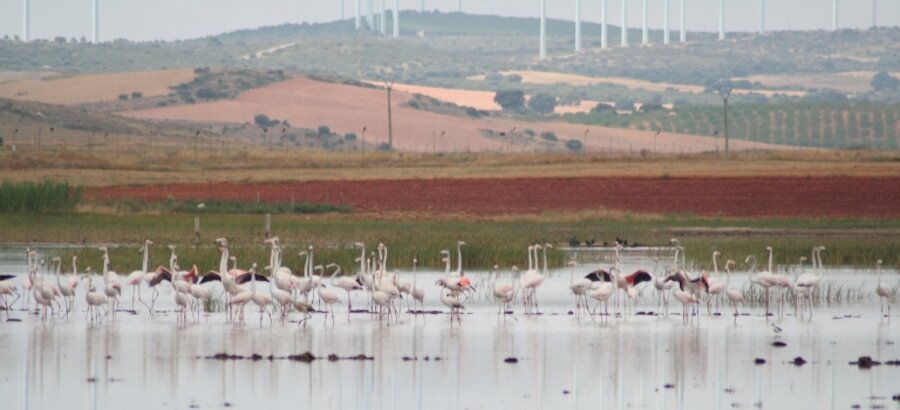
column 577, row 26
column 25, row 17
column 624, row 23
column 762, row 16
column 834, row 20
column 95, row 29
column 396, row 18
column 383, row 23
column 645, row 32
column 721, row 20
column 543, row 51
column 357, row 14
column 603, row 28
column 683, row 28
column 666, row 35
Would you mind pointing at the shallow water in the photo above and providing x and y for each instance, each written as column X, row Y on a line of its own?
column 137, row 361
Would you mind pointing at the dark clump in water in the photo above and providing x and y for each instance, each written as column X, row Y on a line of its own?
column 256, row 357
column 865, row 362
column 13, row 320
column 779, row 343
column 566, row 392
column 896, row 398
column 304, row 357
column 333, row 357
column 799, row 361
column 759, row 360
column 669, row 385
column 511, row 360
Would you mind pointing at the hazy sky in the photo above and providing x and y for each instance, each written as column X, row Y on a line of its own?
column 180, row 19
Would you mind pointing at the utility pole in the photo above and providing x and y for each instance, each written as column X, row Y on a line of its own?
column 725, row 92
column 389, row 86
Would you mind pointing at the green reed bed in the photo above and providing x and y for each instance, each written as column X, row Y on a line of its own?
column 38, row 197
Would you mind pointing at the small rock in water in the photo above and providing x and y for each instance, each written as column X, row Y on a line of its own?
column 256, row 356
column 333, row 357
column 407, row 358
column 511, row 360
column 92, row 379
column 227, row 404
column 12, row 319
column 669, row 386
column 759, row 361
column 566, row 392
column 896, row 398
column 865, row 362
column 779, row 343
column 799, row 361
column 570, row 313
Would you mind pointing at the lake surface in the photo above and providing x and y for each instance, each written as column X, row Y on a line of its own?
column 564, row 361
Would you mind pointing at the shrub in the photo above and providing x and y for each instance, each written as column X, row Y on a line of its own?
column 350, row 136
column 123, row 97
column 542, row 103
column 510, row 99
column 574, row 145
column 548, row 136
column 324, row 130
column 137, row 94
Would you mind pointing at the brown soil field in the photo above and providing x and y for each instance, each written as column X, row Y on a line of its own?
column 877, row 197
column 345, row 109
column 482, row 100
column 86, row 88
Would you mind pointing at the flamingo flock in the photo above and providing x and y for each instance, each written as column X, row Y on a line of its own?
column 317, row 288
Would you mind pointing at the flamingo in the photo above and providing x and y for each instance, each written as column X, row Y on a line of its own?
column 329, row 298
column 112, row 287
column 806, row 283
column 95, row 300
column 884, row 292
column 417, row 293
column 686, row 300
column 733, row 295
column 662, row 286
column 532, row 279
column 763, row 279
column 45, row 295
column 261, row 300
column 7, row 288
column 135, row 278
column 604, row 291
column 245, row 295
column 282, row 277
column 452, row 301
column 345, row 283
column 714, row 286
column 66, row 289
column 505, row 293
column 580, row 288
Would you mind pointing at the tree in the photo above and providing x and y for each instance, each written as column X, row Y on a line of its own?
column 324, row 130
column 264, row 121
column 137, row 94
column 574, row 145
column 123, row 97
column 603, row 108
column 548, row 135
column 885, row 82
column 542, row 103
column 510, row 99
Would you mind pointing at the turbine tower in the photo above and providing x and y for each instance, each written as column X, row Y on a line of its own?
column 25, row 17
column 95, row 32
column 603, row 28
column 834, row 20
column 577, row 26
column 357, row 14
column 874, row 13
column 396, row 18
column 370, row 16
column 459, row 6
column 721, row 20
column 683, row 30
column 382, row 23
column 422, row 6
column 543, row 30
column 624, row 23
column 762, row 16
column 666, row 36
column 342, row 10
column 645, row 32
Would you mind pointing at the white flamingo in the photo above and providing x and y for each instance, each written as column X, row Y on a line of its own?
column 734, row 296
column 135, row 278
column 884, row 292
column 345, row 283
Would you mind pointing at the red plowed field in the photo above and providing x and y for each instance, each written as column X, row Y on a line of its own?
column 732, row 196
